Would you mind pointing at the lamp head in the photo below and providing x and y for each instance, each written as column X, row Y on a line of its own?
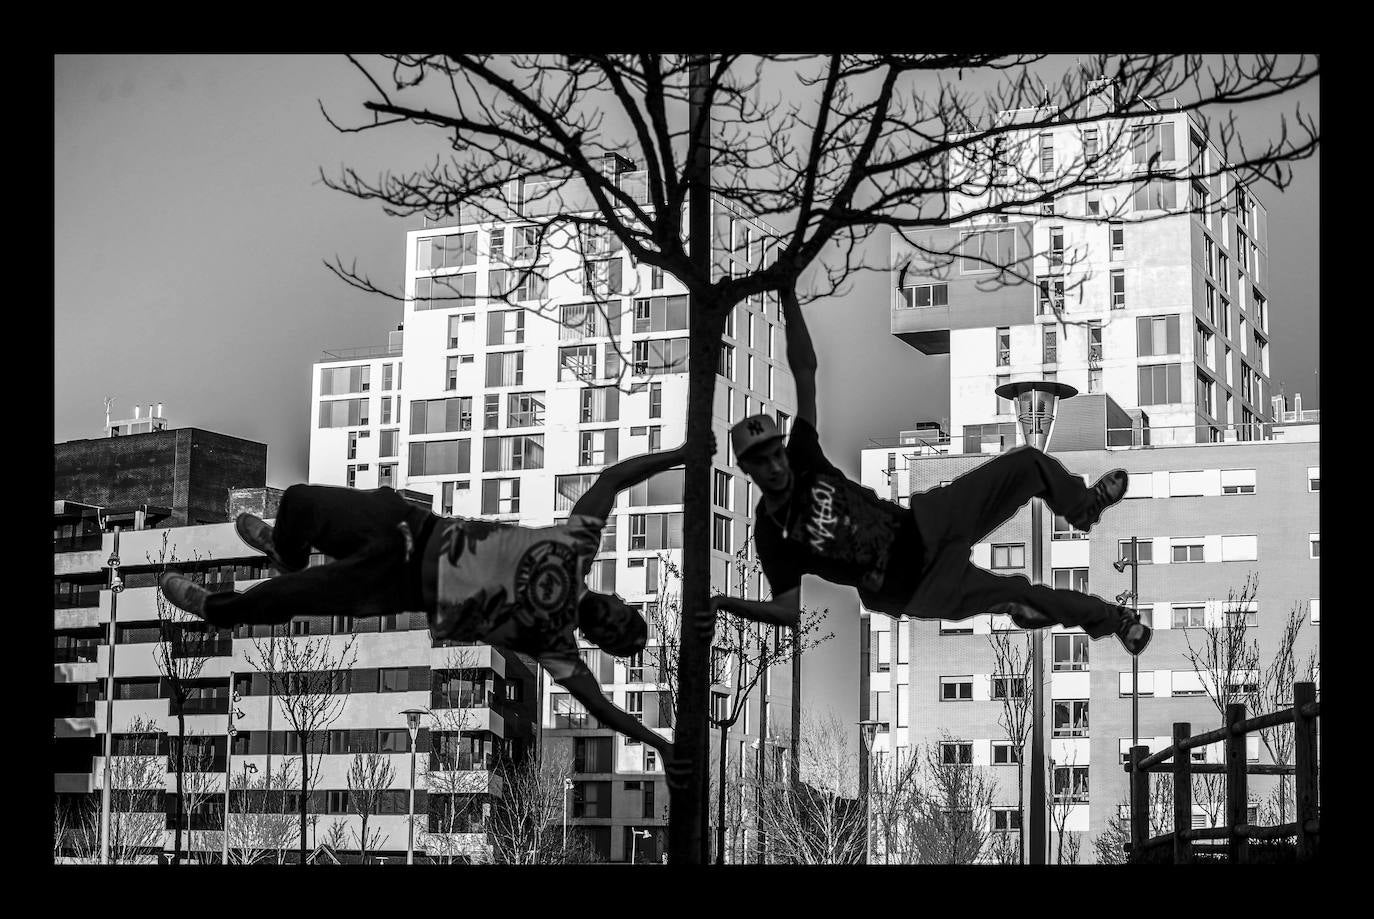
column 413, row 718
column 1120, row 565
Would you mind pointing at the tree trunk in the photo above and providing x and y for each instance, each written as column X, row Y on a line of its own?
column 362, row 843
column 690, row 734
column 181, row 766
column 1021, row 809
column 305, row 784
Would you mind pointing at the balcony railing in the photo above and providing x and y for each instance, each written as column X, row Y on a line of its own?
column 83, row 543
column 1195, row 434
column 354, row 354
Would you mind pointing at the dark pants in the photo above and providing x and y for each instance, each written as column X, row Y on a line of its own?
column 359, row 529
column 952, row 518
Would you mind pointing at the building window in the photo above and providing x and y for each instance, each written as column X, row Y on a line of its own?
column 1189, row 616
column 1062, row 529
column 1049, row 295
column 919, row 295
column 1314, row 478
column 1155, row 195
column 1146, row 549
column 598, row 448
column 1056, row 247
column 1006, row 820
column 1070, row 579
column 456, row 250
column 986, row 250
column 1007, row 687
column 591, row 799
column 1005, row 753
column 720, row 533
column 1070, row 651
column 956, row 753
column 343, row 413
column 1071, row 784
column 956, row 627
column 1314, row 545
column 1004, row 347
column 1156, row 335
column 440, row 457
column 1050, row 345
column 1183, row 551
column 386, row 475
column 1071, row 718
column 439, row 416
column 1009, row 555
column 502, row 454
column 1315, row 608
column 1237, row 481
column 1159, row 384
column 452, row 291
column 956, row 688
column 656, row 531
column 501, row 496
column 1004, row 406
column 663, row 355
column 1147, row 683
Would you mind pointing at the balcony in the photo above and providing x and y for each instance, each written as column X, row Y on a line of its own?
column 357, row 354
column 86, row 542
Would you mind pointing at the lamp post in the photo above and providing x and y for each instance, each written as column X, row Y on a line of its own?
column 634, row 837
column 867, row 731
column 567, row 787
column 1120, row 566
column 1035, row 405
column 116, row 586
column 413, row 724
column 230, row 732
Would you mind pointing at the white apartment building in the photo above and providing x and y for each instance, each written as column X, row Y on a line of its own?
column 510, row 408
column 1162, row 290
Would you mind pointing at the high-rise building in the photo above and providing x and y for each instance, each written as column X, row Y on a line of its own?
column 1152, row 302
column 1154, row 294
column 509, row 409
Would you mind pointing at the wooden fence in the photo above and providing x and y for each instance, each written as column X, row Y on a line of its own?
column 1237, row 830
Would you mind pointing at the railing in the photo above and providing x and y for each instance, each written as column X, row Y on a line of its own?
column 83, row 543
column 354, row 354
column 1238, row 831
column 1193, row 434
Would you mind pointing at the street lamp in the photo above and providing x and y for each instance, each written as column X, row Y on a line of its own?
column 1036, row 401
column 634, row 836
column 567, row 787
column 230, row 732
column 413, row 716
column 1120, row 566
column 867, row 731
column 116, row 585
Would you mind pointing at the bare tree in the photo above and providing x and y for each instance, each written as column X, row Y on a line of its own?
column 262, row 830
column 1015, row 669
column 524, row 824
column 818, row 820
column 950, row 824
column 202, row 784
column 879, row 142
column 1226, row 660
column 138, row 818
column 742, row 653
column 457, row 777
column 370, row 777
column 185, row 643
column 894, row 789
column 1059, row 803
column 336, row 837
column 309, row 681
column 1109, row 846
column 1275, row 693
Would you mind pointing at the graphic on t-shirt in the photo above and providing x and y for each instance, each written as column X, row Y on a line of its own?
column 838, row 524
column 544, row 576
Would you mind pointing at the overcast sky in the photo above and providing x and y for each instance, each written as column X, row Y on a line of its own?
column 191, row 229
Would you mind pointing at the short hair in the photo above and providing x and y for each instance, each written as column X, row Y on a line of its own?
column 611, row 623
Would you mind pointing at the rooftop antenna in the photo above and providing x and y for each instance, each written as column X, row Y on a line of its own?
column 109, row 400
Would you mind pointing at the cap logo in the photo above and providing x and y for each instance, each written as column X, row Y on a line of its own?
column 755, row 427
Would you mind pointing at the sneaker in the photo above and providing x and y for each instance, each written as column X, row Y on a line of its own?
column 184, row 593
column 1108, row 490
column 257, row 533
column 1133, row 634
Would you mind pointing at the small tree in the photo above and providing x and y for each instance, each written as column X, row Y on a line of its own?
column 1060, row 803
column 950, row 821
column 894, row 789
column 1275, row 693
column 310, row 683
column 262, row 830
column 138, row 818
column 457, row 784
column 185, row 643
column 370, row 777
column 1015, row 668
column 818, row 820
column 1109, row 846
column 523, row 826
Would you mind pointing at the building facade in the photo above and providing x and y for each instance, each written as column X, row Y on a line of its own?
column 1208, row 518
column 1156, row 294
column 533, row 361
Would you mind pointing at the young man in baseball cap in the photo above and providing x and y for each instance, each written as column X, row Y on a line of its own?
column 506, row 585
column 811, row 519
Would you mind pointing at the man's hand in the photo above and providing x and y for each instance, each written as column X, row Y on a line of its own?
column 681, row 451
column 705, row 620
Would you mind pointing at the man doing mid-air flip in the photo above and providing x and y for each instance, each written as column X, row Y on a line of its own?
column 811, row 519
column 507, row 585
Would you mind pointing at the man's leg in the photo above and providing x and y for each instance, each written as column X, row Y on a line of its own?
column 981, row 500
column 368, row 583
column 982, row 591
column 338, row 521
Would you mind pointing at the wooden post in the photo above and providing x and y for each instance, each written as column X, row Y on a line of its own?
column 1183, row 795
column 1140, row 804
column 1237, row 799
column 1305, row 768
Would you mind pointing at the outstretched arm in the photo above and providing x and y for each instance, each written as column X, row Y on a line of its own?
column 599, row 500
column 801, row 357
column 784, row 610
column 584, row 686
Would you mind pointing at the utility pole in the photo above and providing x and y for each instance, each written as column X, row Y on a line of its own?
column 116, row 586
